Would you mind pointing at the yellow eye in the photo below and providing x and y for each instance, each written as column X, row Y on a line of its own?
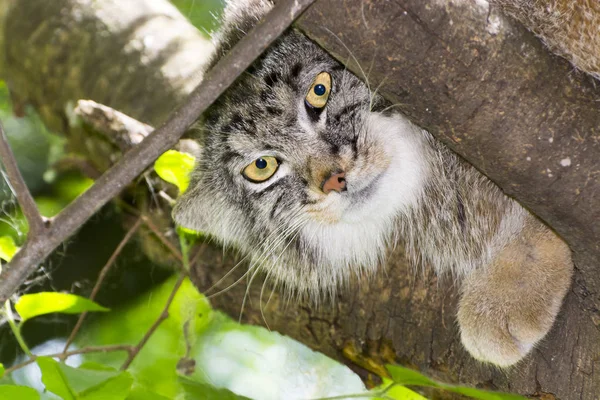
column 318, row 93
column 261, row 169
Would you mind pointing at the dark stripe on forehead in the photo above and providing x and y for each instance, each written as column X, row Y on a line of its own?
column 354, row 143
column 228, row 155
column 292, row 82
column 212, row 118
column 296, row 69
column 249, row 125
column 271, row 79
column 256, row 65
column 338, row 67
column 236, row 120
column 275, row 111
column 266, row 95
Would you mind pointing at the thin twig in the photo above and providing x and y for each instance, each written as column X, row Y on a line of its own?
column 15, row 328
column 65, row 355
column 199, row 253
column 101, row 277
column 132, row 164
column 378, row 393
column 17, row 183
column 150, row 224
column 163, row 315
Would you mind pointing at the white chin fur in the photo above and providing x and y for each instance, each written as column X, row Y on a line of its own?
column 360, row 239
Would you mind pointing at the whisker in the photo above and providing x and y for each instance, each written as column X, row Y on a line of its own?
column 373, row 94
column 246, row 293
column 273, row 265
column 365, row 77
column 224, row 277
column 392, row 106
column 293, row 229
column 275, row 232
column 260, row 302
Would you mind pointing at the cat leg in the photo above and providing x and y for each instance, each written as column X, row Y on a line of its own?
column 509, row 305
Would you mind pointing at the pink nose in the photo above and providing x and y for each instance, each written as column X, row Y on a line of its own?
column 335, row 182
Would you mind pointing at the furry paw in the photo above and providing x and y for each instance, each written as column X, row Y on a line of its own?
column 502, row 334
column 511, row 304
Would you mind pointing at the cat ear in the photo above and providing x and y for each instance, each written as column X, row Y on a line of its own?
column 239, row 17
column 191, row 146
column 245, row 14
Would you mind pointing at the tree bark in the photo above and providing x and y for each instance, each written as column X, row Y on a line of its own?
column 476, row 80
column 141, row 57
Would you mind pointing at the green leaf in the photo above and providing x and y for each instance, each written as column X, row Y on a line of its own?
column 96, row 366
column 175, row 167
column 200, row 391
column 11, row 392
column 54, row 379
column 140, row 393
column 69, row 187
column 83, row 383
column 405, row 376
column 189, row 234
column 1, row 370
column 116, row 388
column 32, row 305
column 154, row 368
column 8, row 248
column 396, row 392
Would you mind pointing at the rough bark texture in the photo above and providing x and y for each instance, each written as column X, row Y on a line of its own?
column 476, row 80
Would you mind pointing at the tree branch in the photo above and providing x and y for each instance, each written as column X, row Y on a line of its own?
column 67, row 354
column 138, row 158
column 163, row 315
column 121, row 129
column 16, row 181
column 101, row 277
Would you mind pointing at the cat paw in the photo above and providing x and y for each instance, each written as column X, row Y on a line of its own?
column 511, row 304
column 500, row 336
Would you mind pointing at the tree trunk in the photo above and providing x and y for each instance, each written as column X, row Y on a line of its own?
column 476, row 80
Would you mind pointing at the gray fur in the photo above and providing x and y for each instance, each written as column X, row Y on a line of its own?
column 446, row 213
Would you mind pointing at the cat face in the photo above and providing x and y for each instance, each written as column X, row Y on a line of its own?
column 301, row 170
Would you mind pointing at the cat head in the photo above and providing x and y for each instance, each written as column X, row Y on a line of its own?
column 300, row 167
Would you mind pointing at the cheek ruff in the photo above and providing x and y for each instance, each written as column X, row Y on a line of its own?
column 358, row 239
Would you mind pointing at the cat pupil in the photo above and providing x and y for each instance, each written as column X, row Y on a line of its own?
column 320, row 90
column 261, row 163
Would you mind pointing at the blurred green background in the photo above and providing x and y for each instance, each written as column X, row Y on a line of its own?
column 75, row 265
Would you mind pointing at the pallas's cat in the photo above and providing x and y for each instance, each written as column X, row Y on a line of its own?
column 315, row 177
